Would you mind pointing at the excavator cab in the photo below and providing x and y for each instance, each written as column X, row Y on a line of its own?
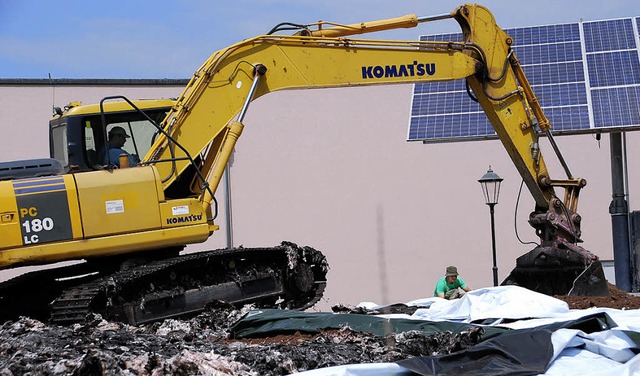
column 78, row 137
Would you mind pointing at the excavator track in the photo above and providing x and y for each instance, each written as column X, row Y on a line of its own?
column 285, row 276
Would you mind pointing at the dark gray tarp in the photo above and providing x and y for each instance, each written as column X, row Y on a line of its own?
column 514, row 353
column 517, row 352
column 267, row 322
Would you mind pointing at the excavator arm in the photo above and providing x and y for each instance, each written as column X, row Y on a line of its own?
column 207, row 117
column 220, row 89
column 503, row 91
column 558, row 266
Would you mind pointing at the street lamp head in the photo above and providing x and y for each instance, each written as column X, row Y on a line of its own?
column 490, row 183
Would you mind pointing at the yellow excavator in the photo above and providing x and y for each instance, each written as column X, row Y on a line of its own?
column 128, row 214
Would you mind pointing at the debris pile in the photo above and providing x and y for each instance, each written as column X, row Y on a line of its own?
column 203, row 345
column 200, row 345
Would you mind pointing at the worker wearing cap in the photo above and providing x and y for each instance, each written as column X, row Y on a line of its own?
column 451, row 286
column 117, row 137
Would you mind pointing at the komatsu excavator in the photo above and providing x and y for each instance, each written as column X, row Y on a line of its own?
column 129, row 223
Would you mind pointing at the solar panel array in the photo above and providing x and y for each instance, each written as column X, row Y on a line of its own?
column 586, row 76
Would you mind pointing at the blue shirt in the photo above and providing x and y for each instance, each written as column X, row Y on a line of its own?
column 114, row 157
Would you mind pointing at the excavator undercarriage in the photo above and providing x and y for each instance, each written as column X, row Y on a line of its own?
column 286, row 276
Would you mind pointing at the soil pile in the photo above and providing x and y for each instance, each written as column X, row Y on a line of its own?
column 617, row 299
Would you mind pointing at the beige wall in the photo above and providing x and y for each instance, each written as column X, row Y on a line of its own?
column 331, row 169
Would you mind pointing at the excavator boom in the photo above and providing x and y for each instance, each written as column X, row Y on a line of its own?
column 484, row 58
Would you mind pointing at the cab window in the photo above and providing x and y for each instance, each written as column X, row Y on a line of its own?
column 141, row 132
column 59, row 144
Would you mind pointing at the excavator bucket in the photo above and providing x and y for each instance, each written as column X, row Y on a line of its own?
column 559, row 270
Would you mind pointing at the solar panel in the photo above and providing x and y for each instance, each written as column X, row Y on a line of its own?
column 586, row 76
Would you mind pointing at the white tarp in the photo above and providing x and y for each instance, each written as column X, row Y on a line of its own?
column 601, row 353
column 507, row 302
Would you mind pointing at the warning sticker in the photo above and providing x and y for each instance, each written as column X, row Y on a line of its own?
column 180, row 210
column 114, row 206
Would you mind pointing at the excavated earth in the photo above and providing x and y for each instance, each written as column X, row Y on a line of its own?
column 617, row 299
column 201, row 345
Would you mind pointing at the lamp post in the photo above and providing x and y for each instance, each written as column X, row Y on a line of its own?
column 490, row 183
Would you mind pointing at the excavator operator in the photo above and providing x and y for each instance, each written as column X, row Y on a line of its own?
column 117, row 137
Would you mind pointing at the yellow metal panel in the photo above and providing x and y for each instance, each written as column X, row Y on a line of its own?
column 74, row 207
column 103, row 246
column 117, row 106
column 119, row 201
column 182, row 212
column 10, row 235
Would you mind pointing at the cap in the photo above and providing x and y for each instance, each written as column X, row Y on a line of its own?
column 451, row 270
column 118, row 130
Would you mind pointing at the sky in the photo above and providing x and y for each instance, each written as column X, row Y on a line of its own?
column 170, row 39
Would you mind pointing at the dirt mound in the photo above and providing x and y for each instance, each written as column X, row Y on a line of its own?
column 617, row 299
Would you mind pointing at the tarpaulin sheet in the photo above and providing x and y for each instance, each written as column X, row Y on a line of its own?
column 503, row 351
column 531, row 352
column 533, row 334
column 505, row 302
column 516, row 353
column 267, row 322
